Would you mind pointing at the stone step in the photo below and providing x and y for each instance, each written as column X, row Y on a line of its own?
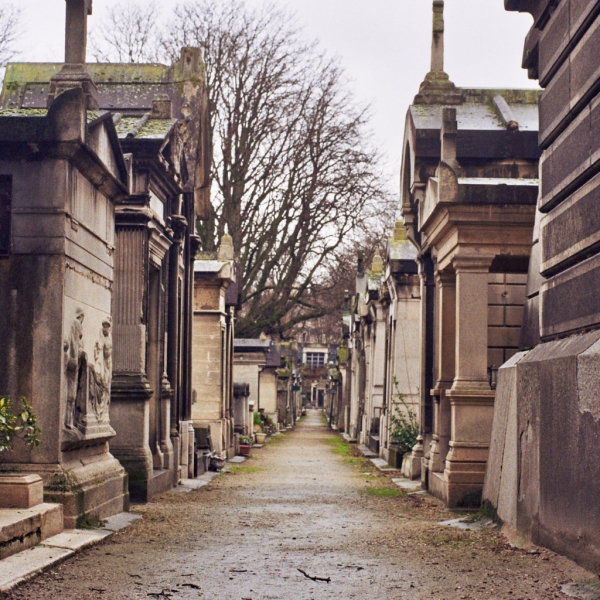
column 55, row 548
column 410, row 485
column 23, row 528
column 366, row 452
column 382, row 464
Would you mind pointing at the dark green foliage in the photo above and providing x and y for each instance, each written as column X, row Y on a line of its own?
column 21, row 425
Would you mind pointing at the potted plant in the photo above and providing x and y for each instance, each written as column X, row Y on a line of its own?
column 245, row 445
column 260, row 437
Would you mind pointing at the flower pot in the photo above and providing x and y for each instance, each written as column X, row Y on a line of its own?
column 260, row 437
column 217, row 463
column 245, row 450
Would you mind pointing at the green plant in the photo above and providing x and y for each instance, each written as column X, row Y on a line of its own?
column 257, row 420
column 246, row 439
column 21, row 425
column 404, row 426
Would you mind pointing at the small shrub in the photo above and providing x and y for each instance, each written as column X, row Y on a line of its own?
column 21, row 425
column 403, row 420
column 246, row 439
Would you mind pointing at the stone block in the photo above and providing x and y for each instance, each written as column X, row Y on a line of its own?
column 554, row 38
column 572, row 228
column 496, row 315
column 568, row 159
column 554, row 103
column 500, row 487
column 20, row 491
column 584, row 62
column 514, row 316
column 495, row 356
column 504, row 337
column 569, row 301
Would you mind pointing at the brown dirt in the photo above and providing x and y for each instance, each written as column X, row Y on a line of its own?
column 299, row 503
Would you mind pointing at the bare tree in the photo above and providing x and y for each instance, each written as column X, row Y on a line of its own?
column 293, row 171
column 129, row 34
column 294, row 176
column 10, row 30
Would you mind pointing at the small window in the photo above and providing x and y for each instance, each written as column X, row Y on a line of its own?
column 5, row 213
column 315, row 360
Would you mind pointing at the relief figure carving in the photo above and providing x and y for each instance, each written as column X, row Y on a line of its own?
column 101, row 372
column 75, row 358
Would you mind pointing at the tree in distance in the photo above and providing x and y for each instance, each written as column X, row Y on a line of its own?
column 295, row 178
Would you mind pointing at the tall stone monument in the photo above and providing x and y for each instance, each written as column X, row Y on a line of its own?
column 544, row 482
column 61, row 172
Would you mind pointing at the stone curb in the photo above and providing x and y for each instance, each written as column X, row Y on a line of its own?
column 23, row 566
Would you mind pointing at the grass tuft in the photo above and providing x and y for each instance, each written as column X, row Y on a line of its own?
column 383, row 492
column 243, row 469
column 340, row 446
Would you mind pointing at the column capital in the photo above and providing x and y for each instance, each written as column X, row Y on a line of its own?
column 445, row 278
column 472, row 263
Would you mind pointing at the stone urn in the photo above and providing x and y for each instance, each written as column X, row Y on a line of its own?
column 260, row 437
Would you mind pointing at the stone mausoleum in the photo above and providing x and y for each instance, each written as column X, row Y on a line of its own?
column 543, row 480
column 469, row 185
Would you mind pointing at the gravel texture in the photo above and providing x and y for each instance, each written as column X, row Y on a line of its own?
column 303, row 502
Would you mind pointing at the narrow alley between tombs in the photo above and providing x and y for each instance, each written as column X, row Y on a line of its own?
column 304, row 502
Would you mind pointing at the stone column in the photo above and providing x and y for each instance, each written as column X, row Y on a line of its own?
column 471, row 399
column 445, row 361
column 426, row 270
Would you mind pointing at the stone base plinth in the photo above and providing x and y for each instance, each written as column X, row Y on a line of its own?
column 20, row 491
column 88, row 493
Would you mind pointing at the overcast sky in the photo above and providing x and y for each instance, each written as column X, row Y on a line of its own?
column 383, row 44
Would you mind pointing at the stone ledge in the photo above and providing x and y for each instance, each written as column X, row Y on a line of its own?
column 22, row 567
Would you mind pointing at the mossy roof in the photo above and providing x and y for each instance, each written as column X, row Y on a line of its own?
column 153, row 128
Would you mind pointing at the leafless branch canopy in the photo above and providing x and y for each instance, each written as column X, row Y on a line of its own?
column 10, row 30
column 130, row 34
column 294, row 175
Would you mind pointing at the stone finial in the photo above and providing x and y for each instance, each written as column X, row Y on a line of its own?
column 377, row 265
column 74, row 73
column 437, row 45
column 437, row 87
column 400, row 232
column 226, row 250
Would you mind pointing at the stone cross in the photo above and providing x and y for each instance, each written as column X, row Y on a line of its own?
column 76, row 31
column 437, row 46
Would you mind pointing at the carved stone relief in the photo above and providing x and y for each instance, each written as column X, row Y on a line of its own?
column 88, row 385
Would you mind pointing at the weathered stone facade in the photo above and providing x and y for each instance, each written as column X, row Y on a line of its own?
column 469, row 187
column 148, row 123
column 543, row 477
column 62, row 175
column 212, row 354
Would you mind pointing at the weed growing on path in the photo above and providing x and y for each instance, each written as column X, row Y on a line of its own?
column 243, row 469
column 340, row 446
column 383, row 492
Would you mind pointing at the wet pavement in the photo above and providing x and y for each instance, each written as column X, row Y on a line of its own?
column 303, row 503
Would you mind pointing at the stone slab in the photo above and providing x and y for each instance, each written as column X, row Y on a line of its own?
column 189, row 485
column 26, row 565
column 469, row 525
column 407, row 484
column 237, row 459
column 120, row 521
column 77, row 539
column 21, row 529
column 382, row 464
column 257, row 445
column 366, row 452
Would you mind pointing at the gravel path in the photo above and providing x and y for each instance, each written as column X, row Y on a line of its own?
column 302, row 502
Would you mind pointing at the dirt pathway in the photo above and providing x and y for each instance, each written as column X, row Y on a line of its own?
column 303, row 502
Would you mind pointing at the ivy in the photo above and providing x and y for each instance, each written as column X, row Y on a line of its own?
column 22, row 425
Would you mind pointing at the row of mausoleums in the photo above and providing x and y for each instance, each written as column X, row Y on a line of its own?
column 483, row 312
